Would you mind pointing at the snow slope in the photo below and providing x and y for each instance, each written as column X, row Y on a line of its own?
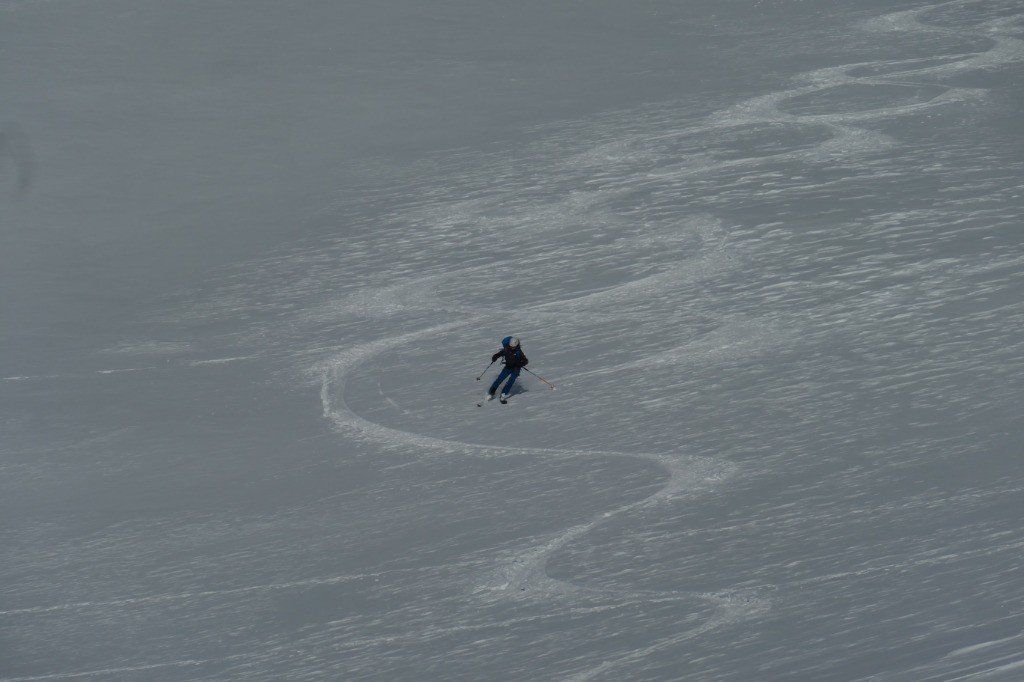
column 784, row 318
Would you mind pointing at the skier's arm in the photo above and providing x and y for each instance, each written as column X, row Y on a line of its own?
column 494, row 358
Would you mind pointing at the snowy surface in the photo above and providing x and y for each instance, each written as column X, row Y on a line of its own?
column 255, row 253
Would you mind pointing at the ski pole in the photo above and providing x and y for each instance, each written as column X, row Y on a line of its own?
column 485, row 370
column 540, row 377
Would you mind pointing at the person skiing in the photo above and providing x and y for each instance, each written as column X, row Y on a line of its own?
column 512, row 355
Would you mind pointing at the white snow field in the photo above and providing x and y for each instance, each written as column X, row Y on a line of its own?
column 256, row 253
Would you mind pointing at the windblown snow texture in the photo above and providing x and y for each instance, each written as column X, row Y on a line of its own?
column 770, row 253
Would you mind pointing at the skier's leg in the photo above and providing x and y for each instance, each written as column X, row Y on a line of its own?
column 511, row 380
column 497, row 382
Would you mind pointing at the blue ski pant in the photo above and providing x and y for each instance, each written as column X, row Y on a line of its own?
column 511, row 374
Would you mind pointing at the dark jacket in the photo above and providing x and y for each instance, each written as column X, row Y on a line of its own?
column 514, row 358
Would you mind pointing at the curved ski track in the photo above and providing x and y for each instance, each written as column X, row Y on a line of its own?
column 524, row 575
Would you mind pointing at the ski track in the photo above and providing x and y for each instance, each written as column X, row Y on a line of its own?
column 187, row 596
column 522, row 574
column 684, row 473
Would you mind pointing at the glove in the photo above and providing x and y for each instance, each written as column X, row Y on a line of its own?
column 494, row 358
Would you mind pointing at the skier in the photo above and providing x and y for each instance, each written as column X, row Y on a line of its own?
column 514, row 358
